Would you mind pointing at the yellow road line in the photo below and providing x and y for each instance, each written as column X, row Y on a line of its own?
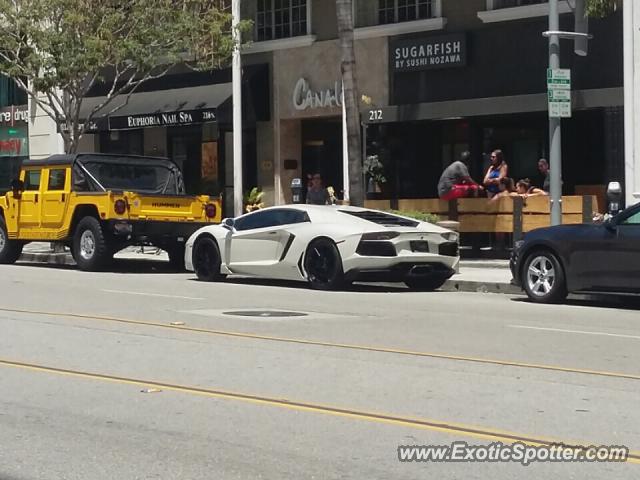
column 365, row 348
column 425, row 424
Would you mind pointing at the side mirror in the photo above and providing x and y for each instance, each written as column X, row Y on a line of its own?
column 610, row 224
column 229, row 223
column 18, row 187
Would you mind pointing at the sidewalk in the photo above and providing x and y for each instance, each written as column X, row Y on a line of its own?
column 486, row 276
column 40, row 252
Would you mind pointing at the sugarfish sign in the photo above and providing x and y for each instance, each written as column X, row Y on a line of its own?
column 429, row 53
column 168, row 119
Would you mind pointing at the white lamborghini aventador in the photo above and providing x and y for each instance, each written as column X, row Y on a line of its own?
column 327, row 246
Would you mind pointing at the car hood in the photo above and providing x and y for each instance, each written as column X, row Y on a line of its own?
column 562, row 230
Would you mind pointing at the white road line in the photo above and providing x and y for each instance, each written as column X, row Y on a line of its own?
column 152, row 294
column 582, row 332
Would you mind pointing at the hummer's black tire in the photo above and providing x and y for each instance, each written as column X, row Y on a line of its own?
column 176, row 257
column 90, row 249
column 10, row 250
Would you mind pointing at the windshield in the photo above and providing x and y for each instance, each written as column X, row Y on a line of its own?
column 135, row 174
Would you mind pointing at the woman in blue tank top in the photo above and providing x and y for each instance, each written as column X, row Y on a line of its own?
column 495, row 173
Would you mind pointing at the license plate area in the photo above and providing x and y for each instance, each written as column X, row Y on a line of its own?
column 421, row 246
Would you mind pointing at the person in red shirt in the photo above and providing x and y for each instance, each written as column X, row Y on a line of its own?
column 456, row 182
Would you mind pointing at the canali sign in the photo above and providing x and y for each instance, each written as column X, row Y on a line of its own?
column 305, row 98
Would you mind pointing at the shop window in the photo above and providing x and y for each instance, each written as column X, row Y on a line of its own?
column 506, row 10
column 497, row 4
column 10, row 94
column 394, row 11
column 281, row 19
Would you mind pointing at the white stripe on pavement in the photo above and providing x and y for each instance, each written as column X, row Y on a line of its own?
column 581, row 332
column 152, row 294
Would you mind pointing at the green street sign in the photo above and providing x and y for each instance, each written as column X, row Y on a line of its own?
column 559, row 92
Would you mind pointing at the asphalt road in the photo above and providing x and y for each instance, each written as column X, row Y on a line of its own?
column 125, row 375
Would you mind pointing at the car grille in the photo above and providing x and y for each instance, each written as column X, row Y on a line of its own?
column 448, row 249
column 376, row 249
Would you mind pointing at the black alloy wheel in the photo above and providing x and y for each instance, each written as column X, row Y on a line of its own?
column 323, row 265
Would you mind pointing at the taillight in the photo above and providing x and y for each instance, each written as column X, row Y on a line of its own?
column 210, row 210
column 120, row 207
column 380, row 236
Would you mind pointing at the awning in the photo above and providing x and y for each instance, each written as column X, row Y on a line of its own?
column 160, row 108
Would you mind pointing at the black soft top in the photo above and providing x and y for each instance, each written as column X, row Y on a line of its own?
column 70, row 159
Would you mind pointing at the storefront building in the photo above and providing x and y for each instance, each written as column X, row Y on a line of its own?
column 14, row 136
column 480, row 84
column 440, row 77
column 185, row 116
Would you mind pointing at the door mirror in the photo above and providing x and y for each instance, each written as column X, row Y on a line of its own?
column 229, row 223
column 18, row 187
column 610, row 224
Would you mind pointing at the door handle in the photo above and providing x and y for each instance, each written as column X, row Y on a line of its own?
column 273, row 233
column 36, row 198
column 62, row 197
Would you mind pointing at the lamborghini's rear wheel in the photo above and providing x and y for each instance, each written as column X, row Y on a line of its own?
column 323, row 265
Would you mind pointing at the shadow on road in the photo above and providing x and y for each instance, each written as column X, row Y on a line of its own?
column 620, row 302
column 356, row 287
column 118, row 266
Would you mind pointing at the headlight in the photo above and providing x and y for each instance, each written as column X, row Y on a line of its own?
column 450, row 236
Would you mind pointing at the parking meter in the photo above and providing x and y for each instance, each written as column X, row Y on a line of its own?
column 296, row 190
column 614, row 196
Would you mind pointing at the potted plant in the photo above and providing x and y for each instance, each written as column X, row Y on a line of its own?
column 374, row 170
column 253, row 200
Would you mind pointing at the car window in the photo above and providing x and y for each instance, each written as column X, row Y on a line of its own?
column 57, row 179
column 633, row 219
column 291, row 216
column 32, row 179
column 256, row 220
column 271, row 218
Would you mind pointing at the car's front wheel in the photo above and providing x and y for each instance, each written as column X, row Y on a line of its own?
column 543, row 278
column 10, row 250
column 206, row 260
column 426, row 284
column 323, row 265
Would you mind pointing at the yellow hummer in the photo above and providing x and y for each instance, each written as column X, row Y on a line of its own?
column 98, row 204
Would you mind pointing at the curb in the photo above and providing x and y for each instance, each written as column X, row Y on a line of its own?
column 480, row 287
column 54, row 258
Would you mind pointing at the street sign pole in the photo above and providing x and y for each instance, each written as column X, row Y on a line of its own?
column 555, row 131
